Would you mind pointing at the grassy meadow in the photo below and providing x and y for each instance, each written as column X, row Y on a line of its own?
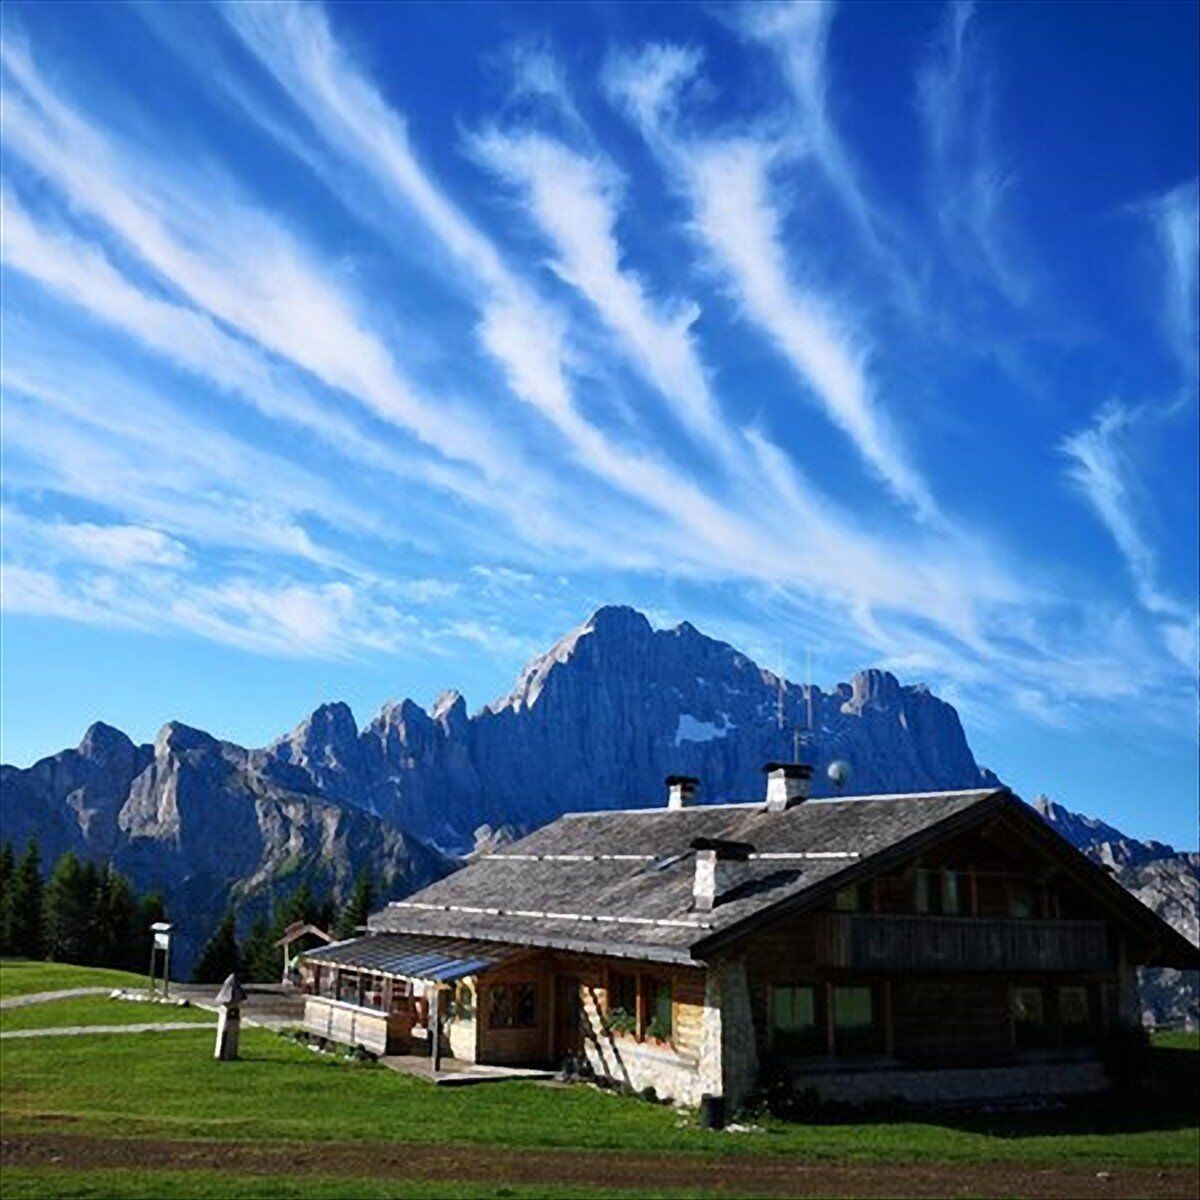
column 21, row 977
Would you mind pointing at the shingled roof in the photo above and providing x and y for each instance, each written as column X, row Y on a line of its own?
column 620, row 883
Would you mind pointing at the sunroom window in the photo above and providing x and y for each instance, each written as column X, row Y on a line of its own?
column 794, row 1028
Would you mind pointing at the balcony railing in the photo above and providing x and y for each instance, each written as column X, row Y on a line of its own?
column 925, row 943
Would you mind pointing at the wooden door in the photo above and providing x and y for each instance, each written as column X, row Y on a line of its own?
column 568, row 1016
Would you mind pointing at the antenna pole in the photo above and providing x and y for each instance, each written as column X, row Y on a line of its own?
column 779, row 695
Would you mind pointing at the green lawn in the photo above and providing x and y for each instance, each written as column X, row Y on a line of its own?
column 96, row 1010
column 20, row 977
column 25, row 1183
column 149, row 1086
column 1177, row 1039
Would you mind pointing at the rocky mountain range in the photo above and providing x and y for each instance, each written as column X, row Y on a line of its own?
column 595, row 722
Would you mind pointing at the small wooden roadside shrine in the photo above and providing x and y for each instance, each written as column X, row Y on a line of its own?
column 303, row 936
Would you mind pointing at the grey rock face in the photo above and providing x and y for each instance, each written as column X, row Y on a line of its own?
column 613, row 707
column 205, row 822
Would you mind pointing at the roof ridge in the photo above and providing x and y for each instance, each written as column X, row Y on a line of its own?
column 761, row 804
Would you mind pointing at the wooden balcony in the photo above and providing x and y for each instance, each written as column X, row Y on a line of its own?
column 869, row 941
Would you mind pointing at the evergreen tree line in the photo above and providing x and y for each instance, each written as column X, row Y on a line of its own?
column 256, row 958
column 82, row 913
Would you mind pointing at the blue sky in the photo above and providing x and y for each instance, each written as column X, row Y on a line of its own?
column 359, row 351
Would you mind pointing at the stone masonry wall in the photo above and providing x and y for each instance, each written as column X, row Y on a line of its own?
column 955, row 1086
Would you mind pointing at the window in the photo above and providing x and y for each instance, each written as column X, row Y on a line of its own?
column 1075, row 1015
column 855, row 1026
column 926, row 898
column 327, row 982
column 464, row 1003
column 951, row 893
column 1029, row 1017
column 658, row 1009
column 524, row 1006
column 852, row 899
column 512, row 1006
column 500, row 1010
column 348, row 987
column 1020, row 899
column 372, row 992
column 938, row 891
column 794, row 1028
column 622, row 1003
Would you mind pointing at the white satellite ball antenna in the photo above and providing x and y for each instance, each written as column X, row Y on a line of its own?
column 839, row 773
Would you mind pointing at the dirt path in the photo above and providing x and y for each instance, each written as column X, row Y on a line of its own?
column 43, row 997
column 80, row 1030
column 729, row 1176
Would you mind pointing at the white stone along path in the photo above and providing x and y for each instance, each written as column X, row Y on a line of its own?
column 64, row 994
column 79, row 1030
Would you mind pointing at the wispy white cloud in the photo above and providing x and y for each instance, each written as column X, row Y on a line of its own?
column 970, row 183
column 576, row 199
column 738, row 220
column 1101, row 467
column 1175, row 217
column 797, row 36
column 230, row 259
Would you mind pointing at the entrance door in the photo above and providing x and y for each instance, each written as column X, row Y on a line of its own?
column 568, row 1010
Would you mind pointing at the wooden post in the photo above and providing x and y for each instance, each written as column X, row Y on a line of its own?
column 830, row 1041
column 435, row 1029
column 889, row 1035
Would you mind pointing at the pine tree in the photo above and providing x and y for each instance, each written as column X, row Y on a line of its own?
column 323, row 916
column 25, row 904
column 299, row 906
column 67, row 905
column 262, row 958
column 357, row 909
column 220, row 956
column 120, row 932
column 8, row 868
column 151, row 910
column 93, row 886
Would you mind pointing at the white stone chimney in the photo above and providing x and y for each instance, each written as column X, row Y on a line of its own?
column 788, row 784
column 720, row 867
column 681, row 790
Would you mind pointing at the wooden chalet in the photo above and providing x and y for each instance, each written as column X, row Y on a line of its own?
column 946, row 946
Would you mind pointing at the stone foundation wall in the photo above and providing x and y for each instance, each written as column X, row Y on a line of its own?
column 639, row 1065
column 955, row 1086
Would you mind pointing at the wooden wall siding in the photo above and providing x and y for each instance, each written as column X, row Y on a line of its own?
column 966, row 944
column 791, row 942
column 956, row 1021
column 688, row 1011
column 530, row 1045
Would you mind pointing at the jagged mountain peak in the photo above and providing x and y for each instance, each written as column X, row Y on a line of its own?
column 177, row 738
column 101, row 740
column 450, row 706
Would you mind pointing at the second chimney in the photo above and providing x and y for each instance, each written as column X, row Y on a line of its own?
column 788, row 784
column 720, row 867
column 681, row 790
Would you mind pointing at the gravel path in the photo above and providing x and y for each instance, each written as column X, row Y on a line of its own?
column 78, row 1030
column 627, row 1174
column 42, row 997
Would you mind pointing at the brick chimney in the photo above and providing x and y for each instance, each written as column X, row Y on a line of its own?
column 788, row 784
column 681, row 790
column 720, row 867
